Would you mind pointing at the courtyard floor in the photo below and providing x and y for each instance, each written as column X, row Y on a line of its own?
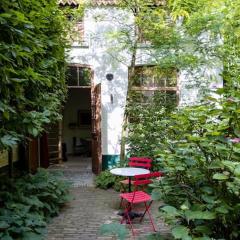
column 82, row 217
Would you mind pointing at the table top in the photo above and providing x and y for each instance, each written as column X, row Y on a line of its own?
column 129, row 171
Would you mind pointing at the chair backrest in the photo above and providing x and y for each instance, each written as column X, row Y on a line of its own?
column 143, row 162
column 144, row 179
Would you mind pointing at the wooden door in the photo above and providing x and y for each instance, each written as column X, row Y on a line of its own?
column 33, row 156
column 96, row 129
column 54, row 141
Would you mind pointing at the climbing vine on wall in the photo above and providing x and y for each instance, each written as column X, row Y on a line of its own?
column 32, row 67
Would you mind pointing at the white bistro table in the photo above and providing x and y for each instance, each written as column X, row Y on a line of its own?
column 129, row 172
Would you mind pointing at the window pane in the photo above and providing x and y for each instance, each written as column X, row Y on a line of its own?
column 78, row 76
column 84, row 77
column 171, row 98
column 153, row 76
column 161, row 98
column 72, row 76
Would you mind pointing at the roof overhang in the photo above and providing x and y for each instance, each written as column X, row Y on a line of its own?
column 75, row 3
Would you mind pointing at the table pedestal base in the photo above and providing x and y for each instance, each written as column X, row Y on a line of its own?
column 132, row 214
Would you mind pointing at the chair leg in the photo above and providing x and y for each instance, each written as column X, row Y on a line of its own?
column 126, row 217
column 130, row 222
column 149, row 215
column 146, row 208
column 120, row 206
column 125, row 212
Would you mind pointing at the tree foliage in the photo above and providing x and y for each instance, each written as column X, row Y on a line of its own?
column 32, row 61
column 197, row 146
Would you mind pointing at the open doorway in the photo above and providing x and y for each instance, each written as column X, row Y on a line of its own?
column 77, row 125
column 81, row 128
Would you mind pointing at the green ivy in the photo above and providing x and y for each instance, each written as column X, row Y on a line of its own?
column 32, row 67
column 28, row 203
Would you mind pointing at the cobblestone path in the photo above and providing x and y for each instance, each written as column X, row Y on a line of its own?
column 81, row 218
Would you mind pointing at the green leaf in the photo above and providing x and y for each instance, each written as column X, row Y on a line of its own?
column 156, row 195
column 202, row 238
column 208, row 199
column 155, row 236
column 115, row 229
column 206, row 215
column 170, row 210
column 34, row 132
column 32, row 236
column 215, row 165
column 4, row 225
column 185, row 205
column 181, row 232
column 6, row 237
column 222, row 209
column 208, row 190
column 220, row 176
column 237, row 171
column 204, row 230
column 9, row 140
column 18, row 80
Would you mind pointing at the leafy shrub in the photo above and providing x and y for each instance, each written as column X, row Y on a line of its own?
column 201, row 187
column 27, row 204
column 199, row 152
column 107, row 180
column 198, row 147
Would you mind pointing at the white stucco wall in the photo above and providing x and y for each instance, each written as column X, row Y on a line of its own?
column 106, row 55
column 100, row 55
column 193, row 85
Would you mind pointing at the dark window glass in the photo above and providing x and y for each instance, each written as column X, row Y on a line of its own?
column 78, row 76
column 72, row 76
column 153, row 84
column 152, row 76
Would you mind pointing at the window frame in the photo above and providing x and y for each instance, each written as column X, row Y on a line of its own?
column 81, row 66
column 158, row 89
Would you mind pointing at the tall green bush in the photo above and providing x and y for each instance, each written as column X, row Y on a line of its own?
column 144, row 137
column 32, row 61
column 198, row 147
column 200, row 157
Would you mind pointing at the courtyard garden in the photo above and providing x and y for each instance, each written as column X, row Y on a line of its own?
column 196, row 145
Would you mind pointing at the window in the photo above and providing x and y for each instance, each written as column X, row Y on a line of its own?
column 78, row 76
column 152, row 81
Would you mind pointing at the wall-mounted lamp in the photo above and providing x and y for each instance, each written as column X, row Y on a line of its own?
column 110, row 77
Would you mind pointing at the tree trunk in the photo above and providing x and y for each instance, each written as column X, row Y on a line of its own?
column 131, row 74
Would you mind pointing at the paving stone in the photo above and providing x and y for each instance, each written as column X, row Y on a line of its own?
column 81, row 218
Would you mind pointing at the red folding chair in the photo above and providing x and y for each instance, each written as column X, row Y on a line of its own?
column 136, row 197
column 141, row 162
